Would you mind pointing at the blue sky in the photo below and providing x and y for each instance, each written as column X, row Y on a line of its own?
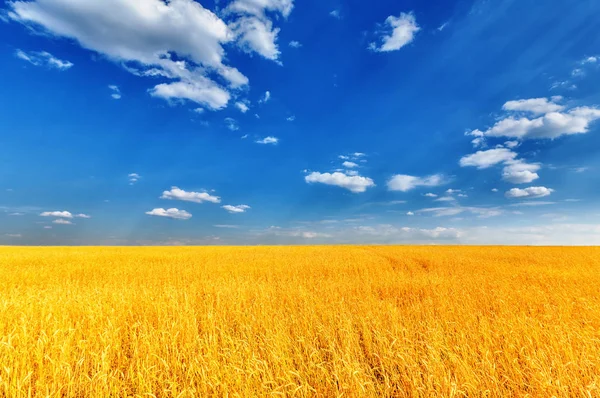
column 287, row 122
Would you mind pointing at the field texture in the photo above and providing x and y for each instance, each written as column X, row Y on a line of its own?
column 348, row 321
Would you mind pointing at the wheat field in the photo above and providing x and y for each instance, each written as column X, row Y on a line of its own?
column 312, row 321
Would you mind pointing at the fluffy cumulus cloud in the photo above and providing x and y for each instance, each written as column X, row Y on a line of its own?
column 515, row 171
column 236, row 209
column 520, row 172
column 397, row 32
column 353, row 183
column 43, row 58
column 170, row 213
column 197, row 197
column 404, row 183
column 485, row 159
column 349, row 164
column 268, row 140
column 528, row 193
column 178, row 41
column 539, row 118
column 535, row 106
column 63, row 214
column 254, row 31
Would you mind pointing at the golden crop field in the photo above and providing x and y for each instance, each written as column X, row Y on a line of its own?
column 345, row 321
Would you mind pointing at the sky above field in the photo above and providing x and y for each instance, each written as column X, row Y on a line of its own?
column 299, row 122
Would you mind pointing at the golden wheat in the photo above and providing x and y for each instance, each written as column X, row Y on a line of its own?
column 347, row 321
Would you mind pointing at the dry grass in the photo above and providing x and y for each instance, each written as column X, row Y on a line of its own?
column 300, row 321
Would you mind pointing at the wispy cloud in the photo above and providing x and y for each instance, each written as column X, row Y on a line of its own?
column 43, row 58
column 268, row 140
column 236, row 209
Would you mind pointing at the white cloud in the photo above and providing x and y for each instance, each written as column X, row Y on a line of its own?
column 532, row 203
column 511, row 144
column 580, row 169
column 81, row 215
column 62, row 221
column 63, row 214
column 387, row 230
column 410, row 213
column 445, row 199
column 266, row 97
column 404, row 183
column 232, row 124
column 528, row 193
column 133, row 178
column 268, row 140
column 430, row 195
column 355, row 184
column 116, row 92
column 451, row 191
column 480, row 212
column 258, row 7
column 171, row 213
column 590, row 60
column 494, row 189
column 242, row 106
column 295, row 44
column 349, row 165
column 443, row 26
column 291, row 118
column 196, row 197
column 199, row 111
column 258, row 35
column 202, row 91
column 554, row 121
column 400, row 32
column 17, row 214
column 336, row 14
column 535, row 106
column 351, row 172
column 519, row 172
column 178, row 40
column 485, row 159
column 43, row 58
column 236, row 209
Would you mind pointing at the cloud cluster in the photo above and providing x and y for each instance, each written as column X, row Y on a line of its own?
column 63, row 214
column 178, row 41
column 515, row 171
column 538, row 118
